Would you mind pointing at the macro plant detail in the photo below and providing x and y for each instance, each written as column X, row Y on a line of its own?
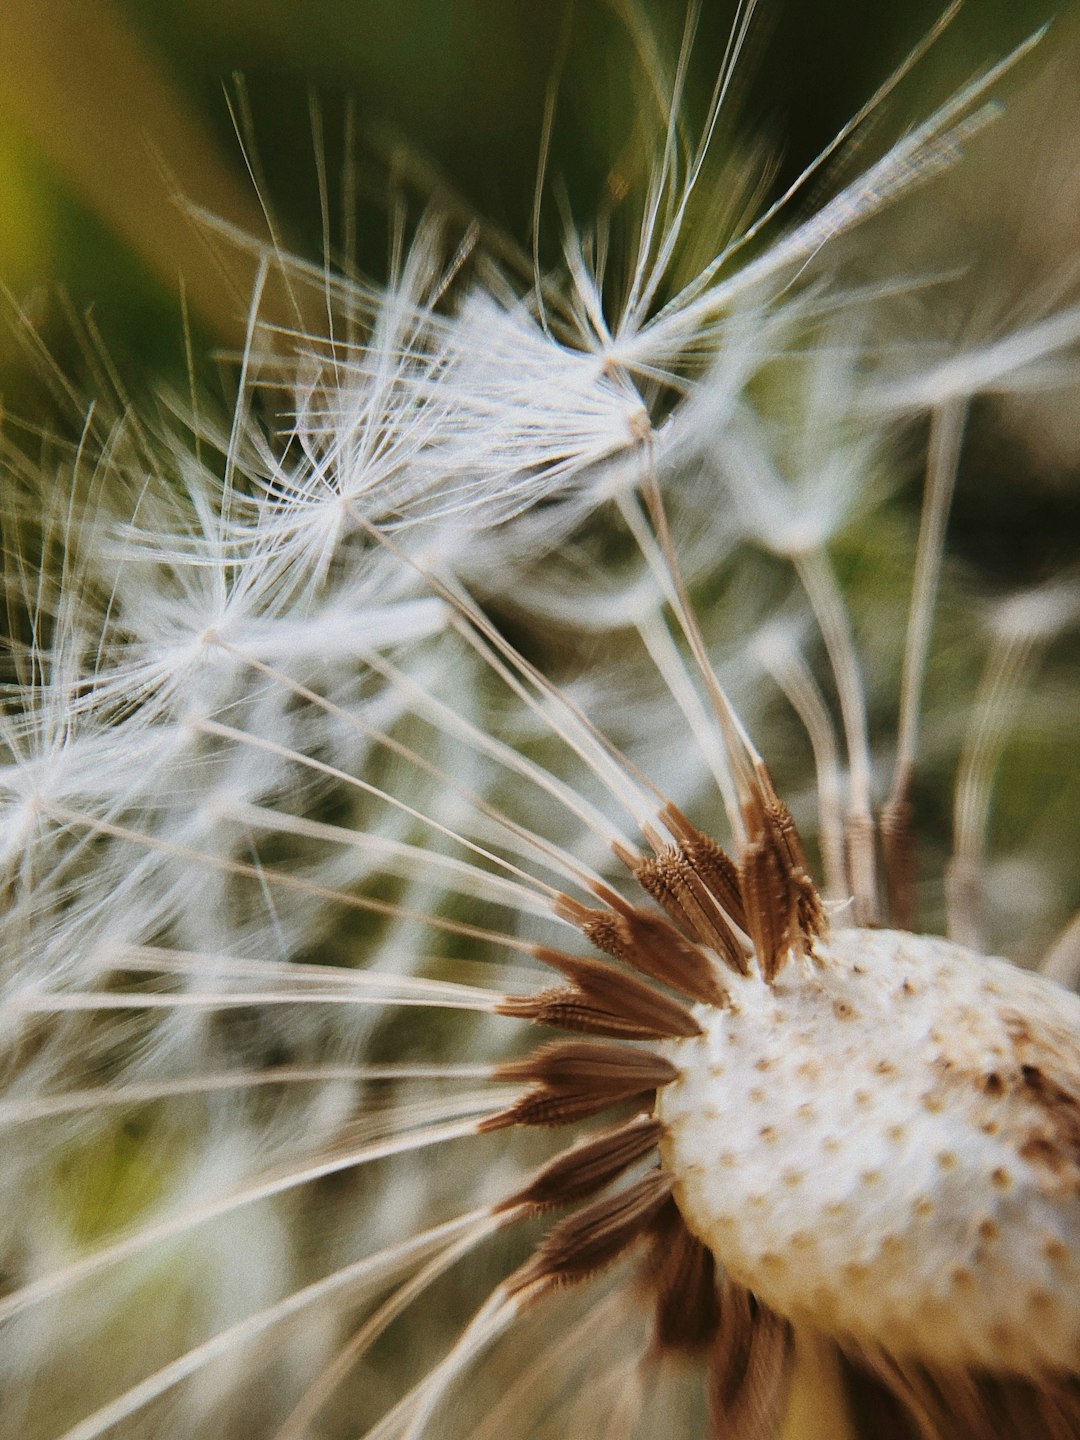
column 494, row 665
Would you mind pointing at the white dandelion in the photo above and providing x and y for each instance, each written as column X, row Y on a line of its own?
column 339, row 755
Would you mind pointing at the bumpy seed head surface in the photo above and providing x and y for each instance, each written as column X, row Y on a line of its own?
column 885, row 1143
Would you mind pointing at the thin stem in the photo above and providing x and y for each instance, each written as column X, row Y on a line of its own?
column 795, row 679
column 289, row 881
column 833, row 619
column 946, row 436
column 47, row 1287
column 1006, row 666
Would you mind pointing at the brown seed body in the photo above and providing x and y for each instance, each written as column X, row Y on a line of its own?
column 885, row 1144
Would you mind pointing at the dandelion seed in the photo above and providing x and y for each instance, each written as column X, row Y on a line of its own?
column 307, row 822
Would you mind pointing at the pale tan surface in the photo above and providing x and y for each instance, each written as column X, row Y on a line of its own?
column 886, row 1148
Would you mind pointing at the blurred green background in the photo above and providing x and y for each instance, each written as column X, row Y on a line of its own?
column 112, row 110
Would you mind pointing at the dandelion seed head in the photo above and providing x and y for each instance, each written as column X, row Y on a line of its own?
column 864, row 1145
column 449, row 843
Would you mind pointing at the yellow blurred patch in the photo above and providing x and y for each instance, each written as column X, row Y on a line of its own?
column 27, row 232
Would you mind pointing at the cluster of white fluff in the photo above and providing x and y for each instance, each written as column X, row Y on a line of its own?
column 273, row 784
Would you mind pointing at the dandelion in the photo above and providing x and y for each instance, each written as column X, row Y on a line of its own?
column 339, row 755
